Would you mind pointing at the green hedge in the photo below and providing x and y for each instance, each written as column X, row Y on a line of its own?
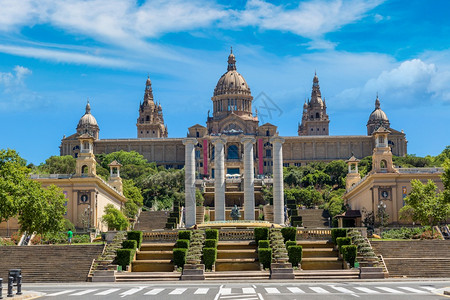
column 289, row 233
column 209, row 257
column 290, row 243
column 210, row 243
column 337, row 232
column 295, row 255
column 341, row 241
column 349, row 254
column 172, row 220
column 296, row 221
column 263, row 244
column 179, row 256
column 212, row 234
column 135, row 235
column 261, row 233
column 124, row 257
column 184, row 235
column 129, row 244
column 265, row 257
column 182, row 244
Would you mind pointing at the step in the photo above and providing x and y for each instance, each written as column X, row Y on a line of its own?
column 319, row 252
column 154, row 255
column 315, row 244
column 237, row 266
column 157, row 247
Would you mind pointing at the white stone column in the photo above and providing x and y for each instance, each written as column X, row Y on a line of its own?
column 219, row 178
column 189, row 181
column 278, row 187
column 249, row 179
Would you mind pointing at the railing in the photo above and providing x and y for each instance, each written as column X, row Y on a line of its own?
column 167, row 236
column 313, row 234
column 420, row 170
column 358, row 183
column 236, row 234
column 383, row 265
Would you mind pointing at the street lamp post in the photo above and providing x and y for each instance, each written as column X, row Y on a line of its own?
column 381, row 210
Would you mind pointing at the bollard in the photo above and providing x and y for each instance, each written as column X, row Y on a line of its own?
column 1, row 288
column 10, row 286
column 19, row 285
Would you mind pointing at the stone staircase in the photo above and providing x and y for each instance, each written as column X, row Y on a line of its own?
column 415, row 258
column 237, row 256
column 49, row 263
column 151, row 220
column 314, row 218
column 320, row 255
column 154, row 257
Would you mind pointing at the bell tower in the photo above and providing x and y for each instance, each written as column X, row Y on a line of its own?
column 114, row 176
column 353, row 174
column 315, row 119
column 86, row 164
column 382, row 155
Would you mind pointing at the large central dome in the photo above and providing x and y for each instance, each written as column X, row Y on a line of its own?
column 231, row 82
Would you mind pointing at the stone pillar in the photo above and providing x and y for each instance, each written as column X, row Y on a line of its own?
column 189, row 181
column 249, row 179
column 278, row 188
column 219, row 178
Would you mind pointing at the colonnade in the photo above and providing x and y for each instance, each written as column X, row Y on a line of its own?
column 219, row 179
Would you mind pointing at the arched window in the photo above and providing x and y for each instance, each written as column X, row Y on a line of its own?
column 198, row 134
column 232, row 152
column 147, row 118
column 383, row 164
column 213, row 152
column 84, row 169
column 317, row 115
column 267, row 133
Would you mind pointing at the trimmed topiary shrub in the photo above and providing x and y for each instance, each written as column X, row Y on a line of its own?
column 179, row 256
column 289, row 233
column 296, row 221
column 341, row 241
column 170, row 225
column 261, row 233
column 209, row 257
column 295, row 255
column 172, row 220
column 182, row 244
column 184, row 235
column 210, row 244
column 290, row 243
column 349, row 254
column 265, row 257
column 129, row 244
column 337, row 232
column 124, row 257
column 263, row 244
column 135, row 235
column 212, row 234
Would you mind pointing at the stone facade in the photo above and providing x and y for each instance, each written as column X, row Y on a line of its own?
column 233, row 119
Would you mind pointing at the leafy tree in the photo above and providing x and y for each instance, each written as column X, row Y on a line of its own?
column 442, row 157
column 199, row 199
column 365, row 165
column 58, row 165
column 135, row 199
column 162, row 188
column 114, row 218
column 37, row 209
column 446, row 181
column 412, row 161
column 134, row 165
column 425, row 204
column 337, row 170
column 267, row 194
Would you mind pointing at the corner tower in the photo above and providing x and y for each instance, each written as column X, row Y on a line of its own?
column 150, row 123
column 377, row 119
column 315, row 119
column 232, row 104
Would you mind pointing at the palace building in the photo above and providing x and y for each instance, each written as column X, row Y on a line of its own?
column 232, row 119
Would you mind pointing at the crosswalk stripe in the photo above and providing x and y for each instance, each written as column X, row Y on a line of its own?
column 272, row 291
column 201, row 291
column 342, row 289
column 248, row 291
column 295, row 290
column 319, row 290
column 225, row 291
column 83, row 292
column 430, row 288
column 131, row 291
column 178, row 291
column 154, row 292
column 410, row 289
column 389, row 290
column 367, row 290
column 61, row 293
column 107, row 292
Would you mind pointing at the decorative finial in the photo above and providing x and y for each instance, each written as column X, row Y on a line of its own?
column 231, row 61
column 377, row 102
column 88, row 107
column 231, row 49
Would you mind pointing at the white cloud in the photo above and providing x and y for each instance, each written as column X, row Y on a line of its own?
column 413, row 82
column 15, row 79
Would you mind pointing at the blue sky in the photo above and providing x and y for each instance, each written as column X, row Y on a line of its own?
column 55, row 54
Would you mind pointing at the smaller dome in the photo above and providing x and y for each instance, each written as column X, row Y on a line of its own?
column 232, row 82
column 87, row 118
column 378, row 114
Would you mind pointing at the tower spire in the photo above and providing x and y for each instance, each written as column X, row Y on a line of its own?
column 231, row 61
column 88, row 107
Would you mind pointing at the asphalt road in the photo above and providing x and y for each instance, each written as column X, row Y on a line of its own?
column 385, row 289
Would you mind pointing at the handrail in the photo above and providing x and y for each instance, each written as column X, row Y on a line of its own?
column 313, row 233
